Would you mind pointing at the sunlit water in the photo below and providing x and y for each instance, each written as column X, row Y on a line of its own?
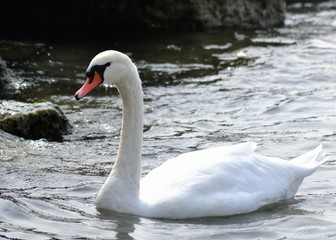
column 275, row 87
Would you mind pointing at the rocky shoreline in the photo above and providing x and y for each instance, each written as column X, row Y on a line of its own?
column 59, row 19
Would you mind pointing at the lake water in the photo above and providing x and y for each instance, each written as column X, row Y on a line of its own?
column 275, row 87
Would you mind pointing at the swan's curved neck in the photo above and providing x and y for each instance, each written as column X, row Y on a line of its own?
column 121, row 188
column 128, row 161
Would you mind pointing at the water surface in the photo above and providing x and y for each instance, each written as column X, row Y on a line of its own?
column 275, row 87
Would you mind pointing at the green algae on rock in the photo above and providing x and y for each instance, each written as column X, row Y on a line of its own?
column 33, row 120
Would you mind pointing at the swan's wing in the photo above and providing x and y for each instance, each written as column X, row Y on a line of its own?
column 197, row 167
column 221, row 181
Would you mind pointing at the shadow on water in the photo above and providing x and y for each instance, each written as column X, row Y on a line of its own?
column 55, row 68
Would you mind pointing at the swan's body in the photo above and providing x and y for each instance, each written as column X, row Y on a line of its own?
column 218, row 181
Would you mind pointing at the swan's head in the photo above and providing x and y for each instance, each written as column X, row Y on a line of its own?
column 108, row 67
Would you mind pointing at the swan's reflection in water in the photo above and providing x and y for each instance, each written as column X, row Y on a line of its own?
column 124, row 224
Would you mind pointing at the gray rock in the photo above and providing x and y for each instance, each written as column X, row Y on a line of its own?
column 33, row 120
column 28, row 120
column 242, row 13
column 205, row 14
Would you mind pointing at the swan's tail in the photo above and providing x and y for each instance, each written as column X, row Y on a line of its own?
column 311, row 160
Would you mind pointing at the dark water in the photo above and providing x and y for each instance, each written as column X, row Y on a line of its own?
column 275, row 87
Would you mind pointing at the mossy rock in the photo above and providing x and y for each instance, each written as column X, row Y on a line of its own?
column 33, row 121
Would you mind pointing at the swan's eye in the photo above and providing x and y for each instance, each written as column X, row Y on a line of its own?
column 100, row 69
column 90, row 75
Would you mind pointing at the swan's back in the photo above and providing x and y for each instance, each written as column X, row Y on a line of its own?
column 223, row 181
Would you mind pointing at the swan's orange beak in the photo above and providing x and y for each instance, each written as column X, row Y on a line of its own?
column 88, row 86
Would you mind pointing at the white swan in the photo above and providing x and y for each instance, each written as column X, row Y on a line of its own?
column 214, row 182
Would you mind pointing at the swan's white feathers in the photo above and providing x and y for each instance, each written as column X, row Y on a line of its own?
column 311, row 160
column 219, row 181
